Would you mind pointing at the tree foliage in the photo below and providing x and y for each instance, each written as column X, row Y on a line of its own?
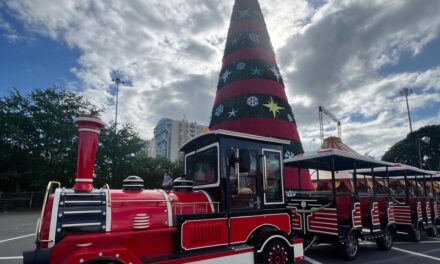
column 38, row 143
column 406, row 151
column 38, row 136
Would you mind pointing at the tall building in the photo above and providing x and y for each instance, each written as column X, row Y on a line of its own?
column 170, row 135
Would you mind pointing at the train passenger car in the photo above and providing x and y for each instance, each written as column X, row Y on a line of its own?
column 340, row 216
column 414, row 204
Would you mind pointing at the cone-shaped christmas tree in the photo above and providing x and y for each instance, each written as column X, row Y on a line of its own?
column 250, row 92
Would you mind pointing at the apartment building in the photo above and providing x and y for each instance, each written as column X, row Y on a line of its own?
column 170, row 135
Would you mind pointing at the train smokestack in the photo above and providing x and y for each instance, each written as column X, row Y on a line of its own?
column 89, row 129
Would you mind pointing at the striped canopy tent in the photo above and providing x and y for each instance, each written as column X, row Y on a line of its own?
column 415, row 185
column 437, row 186
column 436, row 183
column 397, row 186
column 365, row 184
column 343, row 178
column 250, row 94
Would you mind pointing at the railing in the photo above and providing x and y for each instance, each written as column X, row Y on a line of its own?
column 195, row 206
column 179, row 207
column 393, row 198
column 21, row 200
column 314, row 209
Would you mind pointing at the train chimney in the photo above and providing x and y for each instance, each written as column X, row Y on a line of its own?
column 89, row 129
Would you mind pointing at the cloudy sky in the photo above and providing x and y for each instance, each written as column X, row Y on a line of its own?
column 350, row 56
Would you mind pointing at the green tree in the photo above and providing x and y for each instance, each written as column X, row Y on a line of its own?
column 38, row 136
column 38, row 144
column 406, row 151
column 117, row 154
column 151, row 170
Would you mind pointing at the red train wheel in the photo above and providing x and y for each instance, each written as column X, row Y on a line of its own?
column 276, row 252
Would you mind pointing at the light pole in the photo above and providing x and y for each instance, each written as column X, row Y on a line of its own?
column 405, row 92
column 425, row 140
column 117, row 81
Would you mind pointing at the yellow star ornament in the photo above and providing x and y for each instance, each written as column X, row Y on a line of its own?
column 273, row 107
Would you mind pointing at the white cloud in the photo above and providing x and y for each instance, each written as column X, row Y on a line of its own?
column 4, row 25
column 336, row 59
column 330, row 53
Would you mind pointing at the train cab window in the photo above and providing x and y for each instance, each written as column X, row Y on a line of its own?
column 201, row 167
column 273, row 176
column 244, row 185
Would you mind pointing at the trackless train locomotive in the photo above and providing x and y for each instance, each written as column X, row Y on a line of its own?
column 232, row 204
column 229, row 206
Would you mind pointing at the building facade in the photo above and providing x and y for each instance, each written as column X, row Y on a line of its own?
column 170, row 135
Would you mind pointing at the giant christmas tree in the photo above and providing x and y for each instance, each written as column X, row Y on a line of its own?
column 250, row 93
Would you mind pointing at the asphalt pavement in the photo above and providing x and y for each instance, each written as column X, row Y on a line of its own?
column 404, row 251
column 17, row 233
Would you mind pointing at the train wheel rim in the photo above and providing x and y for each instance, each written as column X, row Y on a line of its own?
column 417, row 232
column 388, row 238
column 352, row 245
column 277, row 255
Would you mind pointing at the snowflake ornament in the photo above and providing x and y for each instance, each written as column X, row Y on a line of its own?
column 276, row 72
column 219, row 110
column 225, row 75
column 241, row 66
column 289, row 155
column 244, row 13
column 254, row 37
column 252, row 101
column 234, row 41
column 289, row 116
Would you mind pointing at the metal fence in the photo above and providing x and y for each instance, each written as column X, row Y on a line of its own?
column 21, row 200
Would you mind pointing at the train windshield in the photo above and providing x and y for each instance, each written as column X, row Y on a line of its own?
column 201, row 166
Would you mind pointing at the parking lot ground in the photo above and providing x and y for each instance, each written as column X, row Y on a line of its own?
column 17, row 231
column 403, row 252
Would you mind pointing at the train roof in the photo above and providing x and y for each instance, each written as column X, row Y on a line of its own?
column 214, row 135
column 344, row 160
column 397, row 170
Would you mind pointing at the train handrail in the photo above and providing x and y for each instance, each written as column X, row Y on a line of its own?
column 397, row 202
column 315, row 237
column 314, row 209
column 43, row 209
column 109, row 202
